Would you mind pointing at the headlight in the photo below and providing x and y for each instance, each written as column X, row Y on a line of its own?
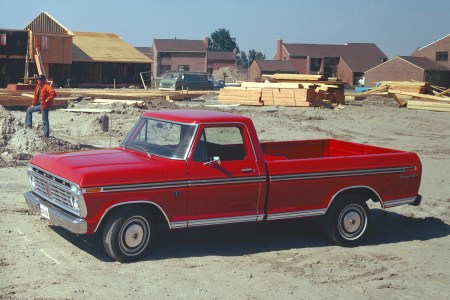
column 76, row 192
column 32, row 182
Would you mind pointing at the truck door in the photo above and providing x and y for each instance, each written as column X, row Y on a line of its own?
column 223, row 178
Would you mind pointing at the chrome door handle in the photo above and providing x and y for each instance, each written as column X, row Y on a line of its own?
column 247, row 170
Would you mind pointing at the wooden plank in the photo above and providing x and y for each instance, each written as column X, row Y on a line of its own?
column 443, row 93
column 429, row 105
column 20, row 102
column 306, row 95
column 243, row 102
column 284, row 102
column 422, row 96
column 87, row 110
column 128, row 102
column 376, row 90
column 400, row 102
column 405, row 83
column 274, row 85
column 299, row 77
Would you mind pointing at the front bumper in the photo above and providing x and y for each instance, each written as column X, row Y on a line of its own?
column 57, row 216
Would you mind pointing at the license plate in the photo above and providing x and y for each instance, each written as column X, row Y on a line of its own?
column 44, row 211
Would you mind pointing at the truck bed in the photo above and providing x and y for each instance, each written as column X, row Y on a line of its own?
column 317, row 149
column 305, row 175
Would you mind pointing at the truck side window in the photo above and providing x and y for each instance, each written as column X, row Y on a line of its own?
column 226, row 143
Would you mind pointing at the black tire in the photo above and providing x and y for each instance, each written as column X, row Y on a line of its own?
column 128, row 234
column 347, row 220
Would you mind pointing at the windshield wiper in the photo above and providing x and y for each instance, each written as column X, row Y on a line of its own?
column 143, row 149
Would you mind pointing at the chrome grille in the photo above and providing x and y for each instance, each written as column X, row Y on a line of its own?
column 53, row 189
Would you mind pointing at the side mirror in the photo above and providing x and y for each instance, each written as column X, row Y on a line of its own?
column 213, row 161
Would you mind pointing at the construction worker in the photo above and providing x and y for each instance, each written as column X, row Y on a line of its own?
column 42, row 101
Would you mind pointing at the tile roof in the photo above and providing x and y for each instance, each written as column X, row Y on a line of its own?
column 442, row 38
column 425, row 63
column 175, row 45
column 275, row 66
column 358, row 56
column 147, row 51
column 105, row 47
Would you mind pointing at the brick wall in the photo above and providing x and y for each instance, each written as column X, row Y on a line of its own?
column 430, row 51
column 393, row 70
column 254, row 72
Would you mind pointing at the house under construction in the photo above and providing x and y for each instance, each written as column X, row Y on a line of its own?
column 75, row 59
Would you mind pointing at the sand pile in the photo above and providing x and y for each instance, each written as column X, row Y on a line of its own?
column 19, row 144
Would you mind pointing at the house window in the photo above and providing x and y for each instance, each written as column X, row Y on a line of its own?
column 164, row 68
column 442, row 56
column 41, row 42
column 183, row 67
column 3, row 39
column 315, row 64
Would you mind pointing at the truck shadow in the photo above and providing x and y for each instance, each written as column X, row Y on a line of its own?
column 243, row 239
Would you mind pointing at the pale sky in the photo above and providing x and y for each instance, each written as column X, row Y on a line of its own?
column 398, row 27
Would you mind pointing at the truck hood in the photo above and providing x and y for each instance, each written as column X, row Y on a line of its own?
column 103, row 167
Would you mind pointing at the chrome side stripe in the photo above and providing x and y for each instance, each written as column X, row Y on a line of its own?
column 217, row 221
column 297, row 214
column 176, row 225
column 392, row 203
column 226, row 181
column 338, row 174
column 144, row 186
column 181, row 183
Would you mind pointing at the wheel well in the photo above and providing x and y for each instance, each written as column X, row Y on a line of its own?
column 149, row 208
column 364, row 193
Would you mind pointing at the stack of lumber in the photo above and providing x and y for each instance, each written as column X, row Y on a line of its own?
column 286, row 90
column 412, row 100
column 239, row 95
column 427, row 102
column 407, row 86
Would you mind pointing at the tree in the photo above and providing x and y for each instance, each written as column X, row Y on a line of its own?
column 255, row 55
column 246, row 61
column 242, row 59
column 221, row 40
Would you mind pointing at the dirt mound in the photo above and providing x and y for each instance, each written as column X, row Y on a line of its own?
column 19, row 144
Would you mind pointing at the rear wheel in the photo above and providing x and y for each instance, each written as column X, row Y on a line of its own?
column 128, row 234
column 347, row 220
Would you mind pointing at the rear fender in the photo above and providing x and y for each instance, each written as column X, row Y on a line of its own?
column 364, row 192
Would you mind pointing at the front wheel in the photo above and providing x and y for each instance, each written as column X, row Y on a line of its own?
column 347, row 220
column 128, row 234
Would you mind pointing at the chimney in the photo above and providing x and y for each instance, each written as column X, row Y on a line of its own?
column 205, row 41
column 279, row 50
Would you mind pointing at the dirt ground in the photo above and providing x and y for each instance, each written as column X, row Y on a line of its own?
column 405, row 256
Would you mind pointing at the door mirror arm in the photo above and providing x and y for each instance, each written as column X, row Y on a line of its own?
column 215, row 160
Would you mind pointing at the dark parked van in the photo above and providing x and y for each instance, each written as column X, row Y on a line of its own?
column 185, row 81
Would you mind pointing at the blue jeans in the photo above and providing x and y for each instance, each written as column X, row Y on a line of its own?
column 29, row 118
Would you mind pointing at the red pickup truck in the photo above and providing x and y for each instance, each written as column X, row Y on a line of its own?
column 189, row 168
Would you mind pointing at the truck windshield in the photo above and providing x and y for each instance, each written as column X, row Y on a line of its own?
column 161, row 138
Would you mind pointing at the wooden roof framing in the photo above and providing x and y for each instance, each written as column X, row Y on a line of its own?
column 44, row 23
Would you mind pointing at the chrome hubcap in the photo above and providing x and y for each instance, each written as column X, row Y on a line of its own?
column 352, row 222
column 134, row 235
